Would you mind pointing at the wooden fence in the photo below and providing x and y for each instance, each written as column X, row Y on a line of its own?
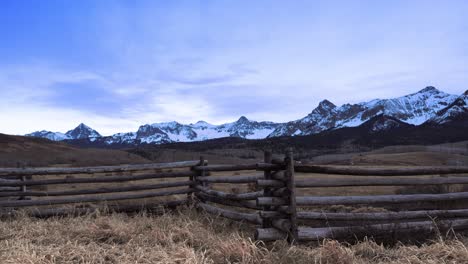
column 265, row 194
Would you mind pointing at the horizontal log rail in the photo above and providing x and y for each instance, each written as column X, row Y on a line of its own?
column 270, row 183
column 270, row 167
column 100, row 179
column 99, row 190
column 89, row 199
column 282, row 224
column 232, row 196
column 230, row 179
column 368, row 199
column 379, row 182
column 249, row 204
column 360, row 171
column 154, row 207
column 313, row 234
column 249, row 217
column 226, row 167
column 256, row 166
column 100, row 169
column 8, row 189
column 311, row 183
column 385, row 216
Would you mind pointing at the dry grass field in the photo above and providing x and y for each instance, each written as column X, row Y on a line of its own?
column 187, row 236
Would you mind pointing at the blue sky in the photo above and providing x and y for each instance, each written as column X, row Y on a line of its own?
column 115, row 65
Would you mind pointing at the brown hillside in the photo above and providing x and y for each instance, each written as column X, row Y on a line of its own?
column 35, row 152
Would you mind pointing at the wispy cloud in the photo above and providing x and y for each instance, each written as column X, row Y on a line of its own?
column 129, row 64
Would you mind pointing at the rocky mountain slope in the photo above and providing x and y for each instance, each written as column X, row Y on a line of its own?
column 82, row 131
column 414, row 109
column 428, row 106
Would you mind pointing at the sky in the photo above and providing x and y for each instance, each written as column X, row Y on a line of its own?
column 116, row 65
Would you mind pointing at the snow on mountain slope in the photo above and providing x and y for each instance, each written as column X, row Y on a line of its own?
column 55, row 136
column 321, row 118
column 456, row 110
column 383, row 123
column 417, row 108
column 121, row 138
column 414, row 109
column 82, row 131
column 176, row 132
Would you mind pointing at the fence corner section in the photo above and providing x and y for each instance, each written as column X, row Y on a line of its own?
column 293, row 236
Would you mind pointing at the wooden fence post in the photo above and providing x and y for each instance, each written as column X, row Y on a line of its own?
column 23, row 187
column 291, row 187
column 202, row 172
column 195, row 182
column 445, row 188
column 267, row 158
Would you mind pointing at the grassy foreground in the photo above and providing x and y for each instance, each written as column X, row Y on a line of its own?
column 189, row 237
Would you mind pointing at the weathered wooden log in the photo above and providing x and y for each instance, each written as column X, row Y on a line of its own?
column 201, row 173
column 9, row 189
column 100, row 169
column 311, row 234
column 159, row 207
column 270, row 183
column 10, row 177
column 192, row 178
column 376, row 199
column 282, row 224
column 233, row 215
column 230, row 179
column 273, row 201
column 272, row 214
column 383, row 216
column 267, row 158
column 280, row 161
column 384, row 171
column 23, row 188
column 276, row 161
column 281, row 192
column 99, row 190
column 368, row 199
column 289, row 174
column 89, row 199
column 269, row 166
column 239, row 203
column 378, row 182
column 99, row 179
column 227, row 167
column 232, row 196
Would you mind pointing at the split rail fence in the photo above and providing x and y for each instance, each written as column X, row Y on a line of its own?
column 265, row 194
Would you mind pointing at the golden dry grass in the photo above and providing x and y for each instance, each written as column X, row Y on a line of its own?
column 189, row 237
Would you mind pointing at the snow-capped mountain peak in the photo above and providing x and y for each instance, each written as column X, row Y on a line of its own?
column 326, row 105
column 243, row 119
column 201, row 124
column 82, row 131
column 427, row 105
column 429, row 89
column 55, row 136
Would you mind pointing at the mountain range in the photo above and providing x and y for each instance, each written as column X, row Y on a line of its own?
column 427, row 107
